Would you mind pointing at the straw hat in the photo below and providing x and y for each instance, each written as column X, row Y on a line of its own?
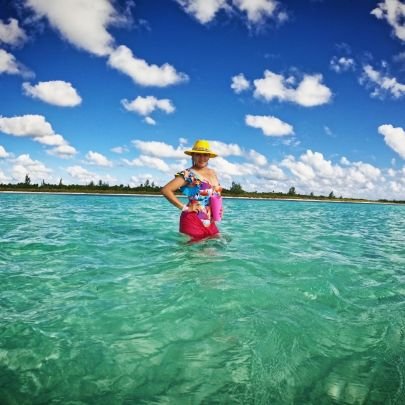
column 201, row 146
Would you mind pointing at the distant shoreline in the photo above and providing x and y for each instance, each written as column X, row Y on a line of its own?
column 225, row 197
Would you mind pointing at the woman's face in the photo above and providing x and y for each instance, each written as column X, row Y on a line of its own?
column 200, row 160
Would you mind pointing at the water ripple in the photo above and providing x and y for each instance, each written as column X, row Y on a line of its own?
column 102, row 301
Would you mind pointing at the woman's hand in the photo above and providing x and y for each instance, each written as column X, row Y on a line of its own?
column 194, row 207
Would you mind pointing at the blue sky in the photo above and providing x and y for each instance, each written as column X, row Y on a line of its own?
column 299, row 93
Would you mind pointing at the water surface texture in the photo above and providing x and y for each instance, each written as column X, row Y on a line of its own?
column 103, row 302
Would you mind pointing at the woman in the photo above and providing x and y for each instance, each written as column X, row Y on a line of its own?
column 198, row 183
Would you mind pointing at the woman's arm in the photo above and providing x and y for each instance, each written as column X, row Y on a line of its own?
column 169, row 189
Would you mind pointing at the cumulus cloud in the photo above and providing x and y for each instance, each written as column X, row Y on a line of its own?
column 158, row 149
column 256, row 11
column 309, row 172
column 393, row 11
column 83, row 23
column 10, row 65
column 24, row 165
column 82, row 174
column 141, row 179
column 226, row 149
column 146, row 105
column 3, row 153
column 381, row 84
column 56, row 92
column 257, row 158
column 148, row 161
column 95, row 158
column 342, row 64
column 309, row 92
column 270, row 126
column 239, row 83
column 203, row 10
column 37, row 128
column 313, row 172
column 4, row 179
column 394, row 138
column 141, row 72
column 63, row 151
column 11, row 33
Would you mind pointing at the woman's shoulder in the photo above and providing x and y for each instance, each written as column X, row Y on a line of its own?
column 185, row 174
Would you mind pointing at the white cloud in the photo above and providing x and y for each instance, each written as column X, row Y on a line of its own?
column 81, row 174
column 382, row 84
column 50, row 140
column 4, row 179
column 230, row 169
column 81, row 22
column 150, row 121
column 55, row 92
column 239, row 83
column 158, row 149
column 26, row 125
column 148, row 161
column 35, row 169
column 141, row 179
column 84, row 176
column 272, row 172
column 141, row 72
column 270, row 126
column 328, row 131
column 309, row 172
column 119, row 149
column 3, row 153
column 84, row 24
column 203, row 10
column 257, row 158
column 312, row 172
column 394, row 138
column 342, row 64
column 394, row 12
column 37, row 128
column 11, row 33
column 95, row 158
column 63, row 151
column 146, row 105
column 10, row 65
column 256, row 11
column 226, row 149
column 309, row 92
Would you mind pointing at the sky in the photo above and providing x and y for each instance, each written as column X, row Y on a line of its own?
column 290, row 93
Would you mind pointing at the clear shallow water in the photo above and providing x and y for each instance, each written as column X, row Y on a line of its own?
column 103, row 302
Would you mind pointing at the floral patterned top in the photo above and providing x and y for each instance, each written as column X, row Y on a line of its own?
column 199, row 192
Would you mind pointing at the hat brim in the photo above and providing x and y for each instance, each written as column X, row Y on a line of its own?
column 191, row 153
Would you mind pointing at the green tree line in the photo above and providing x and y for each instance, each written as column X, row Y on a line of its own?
column 148, row 187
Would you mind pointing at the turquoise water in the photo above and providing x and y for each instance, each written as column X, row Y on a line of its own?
column 103, row 302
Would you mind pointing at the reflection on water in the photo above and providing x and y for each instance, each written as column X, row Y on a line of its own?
column 102, row 301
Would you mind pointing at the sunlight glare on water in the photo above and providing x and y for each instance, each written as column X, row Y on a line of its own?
column 104, row 302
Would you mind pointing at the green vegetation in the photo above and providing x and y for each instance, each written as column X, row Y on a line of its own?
column 235, row 190
column 100, row 187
